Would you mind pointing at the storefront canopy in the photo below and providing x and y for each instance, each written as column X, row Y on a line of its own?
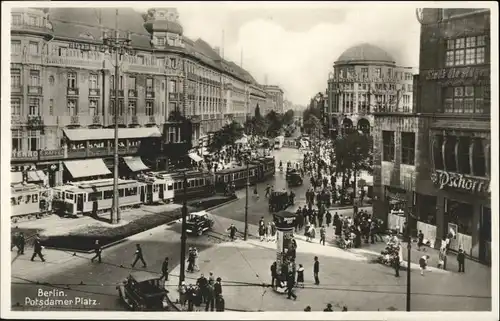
column 195, row 157
column 135, row 164
column 83, row 134
column 16, row 177
column 36, row 176
column 87, row 168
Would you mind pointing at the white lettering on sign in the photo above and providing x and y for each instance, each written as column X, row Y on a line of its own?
column 459, row 181
column 453, row 73
column 289, row 220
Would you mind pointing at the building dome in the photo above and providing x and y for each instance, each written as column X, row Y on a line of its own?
column 365, row 53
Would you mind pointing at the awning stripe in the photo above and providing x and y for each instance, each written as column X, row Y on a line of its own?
column 36, row 176
column 16, row 177
column 83, row 134
column 195, row 157
column 135, row 163
column 87, row 168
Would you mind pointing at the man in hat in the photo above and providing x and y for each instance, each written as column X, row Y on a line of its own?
column 217, row 288
column 164, row 269
column 328, row 308
column 232, row 232
column 37, row 249
column 21, row 241
column 461, row 261
column 139, row 256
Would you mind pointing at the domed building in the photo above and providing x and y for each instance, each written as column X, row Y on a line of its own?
column 366, row 79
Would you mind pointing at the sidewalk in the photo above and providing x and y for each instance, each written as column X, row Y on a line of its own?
column 347, row 278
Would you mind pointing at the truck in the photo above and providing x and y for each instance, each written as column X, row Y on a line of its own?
column 278, row 142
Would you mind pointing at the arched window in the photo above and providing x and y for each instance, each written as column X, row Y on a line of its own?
column 450, row 157
column 437, row 152
column 464, row 155
column 478, row 158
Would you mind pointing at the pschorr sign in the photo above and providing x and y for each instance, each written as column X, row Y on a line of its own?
column 459, row 181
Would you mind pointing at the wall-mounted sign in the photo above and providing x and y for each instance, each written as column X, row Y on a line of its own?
column 459, row 181
column 457, row 73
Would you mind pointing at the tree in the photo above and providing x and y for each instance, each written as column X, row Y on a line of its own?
column 275, row 124
column 352, row 153
column 313, row 126
column 227, row 135
column 288, row 117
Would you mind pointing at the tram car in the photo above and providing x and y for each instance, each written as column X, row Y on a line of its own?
column 29, row 199
column 158, row 189
column 237, row 176
column 93, row 197
column 266, row 167
column 200, row 183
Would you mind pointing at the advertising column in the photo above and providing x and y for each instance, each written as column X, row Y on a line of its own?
column 285, row 222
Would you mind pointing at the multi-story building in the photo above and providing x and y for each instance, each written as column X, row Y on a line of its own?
column 275, row 96
column 436, row 159
column 366, row 79
column 63, row 87
column 258, row 97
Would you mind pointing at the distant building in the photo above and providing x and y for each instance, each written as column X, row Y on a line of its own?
column 276, row 101
column 365, row 79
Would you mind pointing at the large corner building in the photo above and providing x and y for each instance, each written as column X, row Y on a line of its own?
column 63, row 88
column 434, row 160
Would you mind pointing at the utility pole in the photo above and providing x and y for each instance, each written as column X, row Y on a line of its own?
column 119, row 46
column 408, row 232
column 246, row 198
column 182, row 275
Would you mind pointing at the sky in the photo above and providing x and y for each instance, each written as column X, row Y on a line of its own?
column 296, row 44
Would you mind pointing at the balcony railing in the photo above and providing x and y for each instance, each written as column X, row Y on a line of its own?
column 24, row 155
column 77, row 153
column 120, row 92
column 17, row 120
column 35, row 90
column 132, row 93
column 72, row 62
column 47, row 154
column 35, row 121
column 97, row 120
column 152, row 119
column 16, row 89
column 150, row 94
column 72, row 91
column 134, row 120
column 101, row 151
column 94, row 92
column 74, row 120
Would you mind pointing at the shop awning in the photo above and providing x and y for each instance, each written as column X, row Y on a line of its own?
column 135, row 163
column 36, row 176
column 16, row 177
column 83, row 134
column 195, row 157
column 87, row 168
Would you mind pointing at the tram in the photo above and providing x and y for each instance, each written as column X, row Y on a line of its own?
column 158, row 188
column 29, row 199
column 200, row 183
column 94, row 197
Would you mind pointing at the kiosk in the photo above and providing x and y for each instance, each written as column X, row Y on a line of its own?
column 285, row 246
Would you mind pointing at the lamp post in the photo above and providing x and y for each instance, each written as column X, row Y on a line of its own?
column 118, row 45
column 408, row 248
column 182, row 274
column 319, row 100
column 246, row 196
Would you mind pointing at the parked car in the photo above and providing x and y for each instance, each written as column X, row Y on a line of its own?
column 293, row 178
column 144, row 291
column 199, row 222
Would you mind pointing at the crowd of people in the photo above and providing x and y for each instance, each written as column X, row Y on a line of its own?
column 205, row 291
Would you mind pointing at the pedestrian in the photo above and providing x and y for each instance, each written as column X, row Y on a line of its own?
column 420, row 239
column 139, row 256
column 202, row 283
column 14, row 240
column 37, row 249
column 423, row 263
column 190, row 296
column 274, row 273
column 210, row 297
column 211, row 278
column 232, row 232
column 21, row 242
column 461, row 261
column 255, row 192
column 322, row 235
column 397, row 264
column 316, row 270
column 273, row 231
column 183, row 294
column 344, row 308
column 195, row 258
column 268, row 189
column 190, row 260
column 328, row 218
column 217, row 288
column 220, row 304
column 164, row 269
column 300, row 276
column 441, row 259
column 290, row 283
column 307, row 309
column 97, row 251
column 268, row 232
column 328, row 308
column 262, row 231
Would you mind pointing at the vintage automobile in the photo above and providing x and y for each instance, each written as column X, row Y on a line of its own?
column 293, row 178
column 144, row 291
column 199, row 222
column 278, row 201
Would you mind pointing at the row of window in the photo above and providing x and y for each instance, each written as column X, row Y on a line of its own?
column 460, row 154
column 365, row 73
column 407, row 147
column 197, row 182
column 31, row 137
column 465, row 51
column 24, row 199
column 464, row 99
column 31, row 20
column 376, row 86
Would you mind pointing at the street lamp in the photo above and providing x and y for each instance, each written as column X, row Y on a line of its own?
column 246, row 195
column 408, row 208
column 120, row 46
column 182, row 275
column 319, row 100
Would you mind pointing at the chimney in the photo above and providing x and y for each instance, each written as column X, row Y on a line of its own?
column 217, row 50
